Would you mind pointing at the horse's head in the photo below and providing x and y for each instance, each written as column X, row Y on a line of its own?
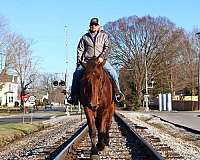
column 91, row 83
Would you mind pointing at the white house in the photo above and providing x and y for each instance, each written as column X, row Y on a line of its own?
column 9, row 89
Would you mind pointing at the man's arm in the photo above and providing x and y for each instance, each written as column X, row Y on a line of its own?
column 106, row 48
column 80, row 50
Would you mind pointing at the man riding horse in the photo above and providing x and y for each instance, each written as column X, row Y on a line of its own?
column 95, row 43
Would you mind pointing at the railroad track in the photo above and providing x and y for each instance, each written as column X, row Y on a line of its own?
column 127, row 141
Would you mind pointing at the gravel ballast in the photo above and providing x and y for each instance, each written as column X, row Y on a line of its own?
column 182, row 142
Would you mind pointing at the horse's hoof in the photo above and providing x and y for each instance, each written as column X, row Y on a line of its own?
column 95, row 157
column 106, row 149
column 94, row 151
column 100, row 146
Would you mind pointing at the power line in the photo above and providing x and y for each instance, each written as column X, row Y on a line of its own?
column 1, row 62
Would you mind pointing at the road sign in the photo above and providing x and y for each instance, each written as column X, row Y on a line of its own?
column 25, row 98
column 31, row 99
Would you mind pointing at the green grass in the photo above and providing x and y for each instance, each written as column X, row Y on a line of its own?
column 4, row 114
column 13, row 131
column 9, row 113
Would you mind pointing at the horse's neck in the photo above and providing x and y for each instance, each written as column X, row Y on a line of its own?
column 106, row 75
column 107, row 78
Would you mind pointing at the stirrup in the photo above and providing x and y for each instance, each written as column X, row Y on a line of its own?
column 72, row 101
column 119, row 97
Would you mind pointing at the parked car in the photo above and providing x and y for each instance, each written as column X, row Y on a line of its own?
column 48, row 106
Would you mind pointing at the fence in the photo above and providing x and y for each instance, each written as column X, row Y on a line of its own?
column 185, row 105
column 177, row 105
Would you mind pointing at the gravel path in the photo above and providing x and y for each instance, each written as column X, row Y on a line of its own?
column 36, row 145
column 182, row 142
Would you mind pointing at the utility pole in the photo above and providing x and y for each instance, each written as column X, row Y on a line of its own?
column 198, row 37
column 146, row 96
column 2, row 54
column 66, row 80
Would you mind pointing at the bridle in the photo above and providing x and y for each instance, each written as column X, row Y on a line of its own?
column 101, row 81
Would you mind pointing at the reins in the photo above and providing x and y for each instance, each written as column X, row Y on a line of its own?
column 102, row 81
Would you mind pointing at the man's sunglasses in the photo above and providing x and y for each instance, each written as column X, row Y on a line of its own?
column 95, row 24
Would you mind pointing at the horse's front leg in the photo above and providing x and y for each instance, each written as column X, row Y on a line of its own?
column 90, row 115
column 101, row 127
column 104, row 126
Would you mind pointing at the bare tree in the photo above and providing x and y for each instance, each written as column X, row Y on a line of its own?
column 186, row 66
column 149, row 40
column 4, row 34
column 20, row 61
column 44, row 86
column 44, row 83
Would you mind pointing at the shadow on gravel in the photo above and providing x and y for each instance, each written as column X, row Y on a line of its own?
column 136, row 148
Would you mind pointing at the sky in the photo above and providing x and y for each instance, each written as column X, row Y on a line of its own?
column 56, row 26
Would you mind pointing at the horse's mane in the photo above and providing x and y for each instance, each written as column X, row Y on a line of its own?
column 92, row 67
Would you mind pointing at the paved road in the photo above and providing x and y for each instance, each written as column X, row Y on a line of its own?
column 186, row 119
column 19, row 118
column 36, row 116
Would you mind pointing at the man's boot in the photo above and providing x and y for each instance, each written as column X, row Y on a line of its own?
column 72, row 100
column 119, row 96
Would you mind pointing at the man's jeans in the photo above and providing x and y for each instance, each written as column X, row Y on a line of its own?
column 79, row 73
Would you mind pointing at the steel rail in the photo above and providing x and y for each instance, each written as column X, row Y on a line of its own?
column 66, row 146
column 155, row 155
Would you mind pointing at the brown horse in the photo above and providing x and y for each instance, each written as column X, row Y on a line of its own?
column 96, row 97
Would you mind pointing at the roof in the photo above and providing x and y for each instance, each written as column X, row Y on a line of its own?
column 8, row 78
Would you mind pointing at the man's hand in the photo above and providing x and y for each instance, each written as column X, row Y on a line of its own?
column 100, row 60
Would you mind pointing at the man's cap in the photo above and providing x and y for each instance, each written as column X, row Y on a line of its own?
column 94, row 21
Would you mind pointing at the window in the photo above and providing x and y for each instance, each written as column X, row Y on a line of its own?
column 10, row 99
